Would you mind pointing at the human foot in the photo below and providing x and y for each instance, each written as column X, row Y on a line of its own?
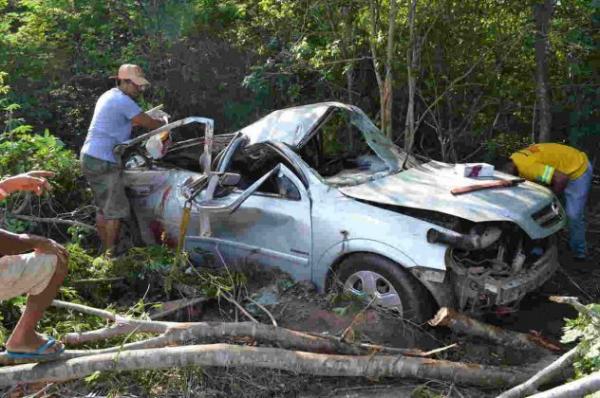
column 34, row 343
column 51, row 349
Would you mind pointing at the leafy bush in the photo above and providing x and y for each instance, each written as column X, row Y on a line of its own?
column 21, row 151
column 586, row 329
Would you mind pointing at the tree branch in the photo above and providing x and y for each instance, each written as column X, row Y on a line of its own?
column 461, row 323
column 550, row 373
column 53, row 221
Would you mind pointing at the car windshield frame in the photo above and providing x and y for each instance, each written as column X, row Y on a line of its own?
column 390, row 154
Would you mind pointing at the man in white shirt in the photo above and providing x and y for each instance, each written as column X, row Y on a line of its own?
column 115, row 114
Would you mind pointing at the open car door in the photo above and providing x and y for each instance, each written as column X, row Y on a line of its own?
column 270, row 226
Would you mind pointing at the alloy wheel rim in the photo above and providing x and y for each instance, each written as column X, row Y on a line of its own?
column 372, row 286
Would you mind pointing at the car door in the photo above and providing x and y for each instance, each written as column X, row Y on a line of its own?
column 272, row 229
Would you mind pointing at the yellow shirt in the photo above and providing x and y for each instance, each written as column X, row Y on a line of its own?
column 539, row 161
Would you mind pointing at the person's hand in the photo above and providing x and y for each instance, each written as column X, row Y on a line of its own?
column 33, row 181
column 158, row 114
column 41, row 173
column 48, row 246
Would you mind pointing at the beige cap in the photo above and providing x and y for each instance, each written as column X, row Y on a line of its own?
column 133, row 73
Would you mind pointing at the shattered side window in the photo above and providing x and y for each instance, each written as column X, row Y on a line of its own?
column 349, row 149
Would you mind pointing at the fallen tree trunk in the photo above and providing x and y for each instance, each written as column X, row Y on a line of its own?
column 555, row 371
column 225, row 355
column 463, row 324
column 575, row 389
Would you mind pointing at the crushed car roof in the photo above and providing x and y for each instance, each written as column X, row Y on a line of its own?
column 290, row 125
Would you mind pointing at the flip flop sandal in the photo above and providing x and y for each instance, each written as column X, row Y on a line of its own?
column 40, row 353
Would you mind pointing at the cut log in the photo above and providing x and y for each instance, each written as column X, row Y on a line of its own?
column 463, row 324
column 557, row 371
column 225, row 355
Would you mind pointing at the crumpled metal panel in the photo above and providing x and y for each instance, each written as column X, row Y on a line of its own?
column 289, row 125
column 428, row 187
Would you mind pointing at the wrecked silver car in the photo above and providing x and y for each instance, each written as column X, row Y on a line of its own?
column 320, row 192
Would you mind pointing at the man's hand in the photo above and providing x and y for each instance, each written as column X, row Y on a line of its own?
column 559, row 182
column 48, row 246
column 158, row 114
column 33, row 181
column 146, row 121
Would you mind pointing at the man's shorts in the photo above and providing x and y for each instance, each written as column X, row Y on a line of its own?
column 25, row 274
column 106, row 181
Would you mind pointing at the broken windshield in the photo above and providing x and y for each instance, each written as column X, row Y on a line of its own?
column 347, row 149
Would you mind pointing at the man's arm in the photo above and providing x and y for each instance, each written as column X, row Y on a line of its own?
column 559, row 182
column 11, row 243
column 21, row 243
column 142, row 119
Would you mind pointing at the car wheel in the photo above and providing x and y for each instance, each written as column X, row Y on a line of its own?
column 386, row 284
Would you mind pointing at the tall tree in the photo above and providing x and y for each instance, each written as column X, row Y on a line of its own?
column 412, row 63
column 542, row 12
column 385, row 84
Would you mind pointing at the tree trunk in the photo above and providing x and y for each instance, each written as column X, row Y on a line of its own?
column 385, row 83
column 388, row 97
column 542, row 12
column 349, row 38
column 227, row 355
column 411, row 69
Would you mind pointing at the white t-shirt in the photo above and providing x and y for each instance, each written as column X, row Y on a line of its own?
column 111, row 124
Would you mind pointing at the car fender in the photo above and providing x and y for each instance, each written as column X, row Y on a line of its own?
column 432, row 279
column 333, row 255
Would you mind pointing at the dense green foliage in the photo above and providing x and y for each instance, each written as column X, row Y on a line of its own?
column 237, row 59
column 585, row 330
column 22, row 150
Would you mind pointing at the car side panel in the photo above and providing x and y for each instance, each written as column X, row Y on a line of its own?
column 342, row 225
column 266, row 228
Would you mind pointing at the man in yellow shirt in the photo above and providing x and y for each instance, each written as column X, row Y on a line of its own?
column 565, row 170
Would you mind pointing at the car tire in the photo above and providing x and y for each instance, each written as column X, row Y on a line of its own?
column 367, row 275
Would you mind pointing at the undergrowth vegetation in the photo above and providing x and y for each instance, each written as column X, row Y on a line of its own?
column 585, row 330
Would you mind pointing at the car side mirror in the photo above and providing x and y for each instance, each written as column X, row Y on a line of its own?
column 229, row 179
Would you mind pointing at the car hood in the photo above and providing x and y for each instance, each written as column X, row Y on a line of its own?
column 428, row 187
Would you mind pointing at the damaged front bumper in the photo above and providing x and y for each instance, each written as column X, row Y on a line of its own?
column 475, row 291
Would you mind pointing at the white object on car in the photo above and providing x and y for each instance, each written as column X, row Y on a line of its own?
column 158, row 145
column 474, row 170
column 157, row 113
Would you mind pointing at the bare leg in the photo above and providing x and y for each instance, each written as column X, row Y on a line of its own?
column 101, row 228
column 24, row 337
column 112, row 233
